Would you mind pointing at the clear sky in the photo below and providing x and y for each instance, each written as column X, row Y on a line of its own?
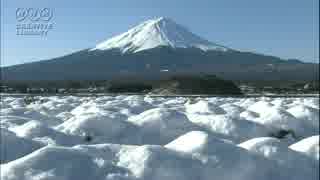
column 283, row 28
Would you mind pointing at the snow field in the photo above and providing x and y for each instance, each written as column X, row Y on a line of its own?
column 155, row 138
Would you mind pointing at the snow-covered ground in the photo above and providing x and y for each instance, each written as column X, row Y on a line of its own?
column 157, row 138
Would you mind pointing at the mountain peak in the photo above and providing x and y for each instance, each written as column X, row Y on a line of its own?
column 160, row 20
column 157, row 32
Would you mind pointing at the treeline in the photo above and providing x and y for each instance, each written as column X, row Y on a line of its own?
column 183, row 84
column 48, row 86
column 51, row 86
column 282, row 86
column 205, row 84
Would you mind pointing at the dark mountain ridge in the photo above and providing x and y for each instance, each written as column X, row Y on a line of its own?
column 160, row 62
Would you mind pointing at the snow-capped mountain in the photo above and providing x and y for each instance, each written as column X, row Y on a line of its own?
column 157, row 49
column 157, row 32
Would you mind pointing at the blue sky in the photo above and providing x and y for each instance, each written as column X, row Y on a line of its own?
column 284, row 28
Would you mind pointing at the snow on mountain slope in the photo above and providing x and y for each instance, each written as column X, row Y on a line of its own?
column 157, row 32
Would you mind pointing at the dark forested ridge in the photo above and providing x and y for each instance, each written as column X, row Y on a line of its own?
column 161, row 62
column 182, row 84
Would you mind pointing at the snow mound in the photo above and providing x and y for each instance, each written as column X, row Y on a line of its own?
column 107, row 152
column 64, row 115
column 265, row 146
column 192, row 142
column 216, row 161
column 162, row 125
column 156, row 162
column 249, row 115
column 200, row 143
column 51, row 163
column 154, row 138
column 133, row 104
column 308, row 146
column 13, row 147
column 12, row 121
column 154, row 33
column 283, row 120
column 261, row 107
column 306, row 113
column 312, row 102
column 204, row 107
column 109, row 128
column 274, row 149
column 40, row 132
column 227, row 127
column 13, row 111
column 36, row 115
column 232, row 110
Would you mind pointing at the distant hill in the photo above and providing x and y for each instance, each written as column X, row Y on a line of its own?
column 205, row 84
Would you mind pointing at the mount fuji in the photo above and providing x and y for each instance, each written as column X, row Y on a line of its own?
column 160, row 48
column 157, row 32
